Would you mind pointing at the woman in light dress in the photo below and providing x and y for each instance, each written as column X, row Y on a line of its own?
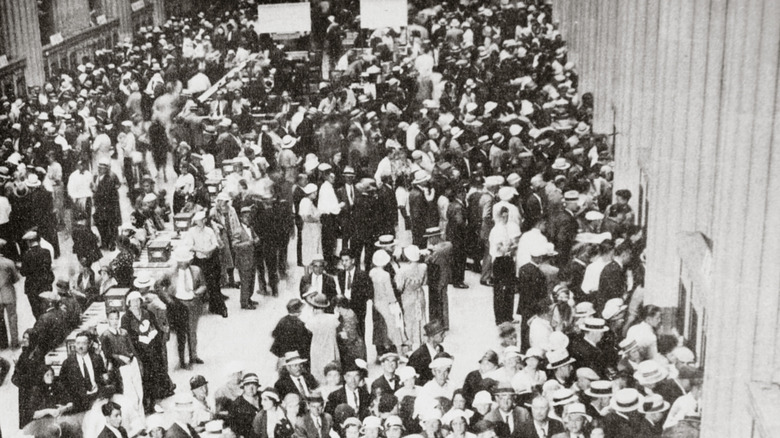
column 312, row 228
column 324, row 331
column 387, row 315
column 410, row 281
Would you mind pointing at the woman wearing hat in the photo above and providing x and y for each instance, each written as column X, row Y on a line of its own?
column 242, row 411
column 121, row 267
column 324, row 329
column 311, row 233
column 265, row 421
column 141, row 325
column 410, row 281
column 388, row 322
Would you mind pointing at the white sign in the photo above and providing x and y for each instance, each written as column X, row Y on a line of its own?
column 101, row 19
column 284, row 18
column 137, row 6
column 56, row 39
column 376, row 14
column 3, row 61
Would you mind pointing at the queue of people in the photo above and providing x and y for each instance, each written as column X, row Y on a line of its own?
column 461, row 144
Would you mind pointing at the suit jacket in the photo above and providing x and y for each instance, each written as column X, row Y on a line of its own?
column 175, row 431
column 385, row 202
column 328, row 285
column 285, row 385
column 77, row 385
column 617, row 426
column 106, row 432
column 457, row 223
column 648, row 430
column 612, row 284
column 519, row 416
column 420, row 360
column 339, row 397
column 291, row 334
column 305, row 427
column 362, row 291
column 533, row 210
column 568, row 435
column 563, row 231
column 382, row 382
column 528, row 430
column 588, row 355
column 476, row 157
column 51, row 329
column 36, row 266
column 532, row 286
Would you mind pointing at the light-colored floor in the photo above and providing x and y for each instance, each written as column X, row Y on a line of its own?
column 245, row 334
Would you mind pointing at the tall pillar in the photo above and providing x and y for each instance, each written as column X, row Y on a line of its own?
column 22, row 36
column 120, row 9
column 70, row 16
column 159, row 12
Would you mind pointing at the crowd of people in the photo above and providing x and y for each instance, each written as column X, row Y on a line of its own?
column 461, row 143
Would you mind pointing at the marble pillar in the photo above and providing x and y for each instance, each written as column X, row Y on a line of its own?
column 120, row 9
column 159, row 12
column 22, row 36
column 70, row 17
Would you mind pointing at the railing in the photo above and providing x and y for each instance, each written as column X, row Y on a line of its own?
column 12, row 82
column 71, row 52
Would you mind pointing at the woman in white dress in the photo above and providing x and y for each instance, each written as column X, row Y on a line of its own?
column 312, row 228
column 387, row 329
column 410, row 280
column 324, row 345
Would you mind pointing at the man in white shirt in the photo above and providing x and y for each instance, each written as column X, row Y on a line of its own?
column 80, row 189
column 113, row 414
column 329, row 207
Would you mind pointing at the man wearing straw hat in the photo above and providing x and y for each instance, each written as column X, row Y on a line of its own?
column 315, row 423
column 296, row 379
column 623, row 419
column 183, row 407
column 576, row 422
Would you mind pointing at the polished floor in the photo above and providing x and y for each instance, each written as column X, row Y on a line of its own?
column 245, row 334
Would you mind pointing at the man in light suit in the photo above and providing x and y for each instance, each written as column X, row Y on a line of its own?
column 507, row 417
column 182, row 412
column 188, row 287
column 541, row 425
column 316, row 423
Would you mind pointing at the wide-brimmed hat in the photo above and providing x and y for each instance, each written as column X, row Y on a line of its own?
column 653, row 403
column 599, row 389
column 288, row 141
column 433, row 328
column 143, row 281
column 50, row 296
column 310, row 188
column 594, row 325
column 563, row 397
column 587, row 373
column 625, row 400
column 293, row 358
column 558, row 358
column 561, row 164
column 32, row 181
column 506, row 193
column 627, row 345
column 319, row 301
column 584, row 309
column 650, row 372
column 412, row 253
column 613, row 308
column 406, row 373
column 576, row 409
column 421, row 177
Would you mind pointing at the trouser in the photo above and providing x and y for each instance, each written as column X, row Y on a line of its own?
column 127, row 171
column 329, row 236
column 458, row 263
column 265, row 259
column 190, row 337
column 132, row 385
column 245, row 264
column 281, row 258
column 211, row 272
column 108, row 234
column 487, row 262
column 299, row 240
column 360, row 244
column 84, row 205
column 8, row 314
column 503, row 296
column 35, row 303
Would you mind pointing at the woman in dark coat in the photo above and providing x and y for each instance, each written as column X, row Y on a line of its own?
column 121, row 268
column 147, row 337
column 48, row 397
column 28, row 370
column 242, row 411
column 159, row 143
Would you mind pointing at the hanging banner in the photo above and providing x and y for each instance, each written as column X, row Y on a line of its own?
column 376, row 14
column 284, row 18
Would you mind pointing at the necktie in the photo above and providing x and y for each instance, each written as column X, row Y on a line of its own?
column 86, row 373
column 349, row 281
column 318, row 425
column 350, row 196
column 302, row 384
column 508, row 422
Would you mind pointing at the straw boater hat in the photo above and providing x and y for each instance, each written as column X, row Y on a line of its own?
column 594, row 325
column 653, row 403
column 563, row 397
column 626, row 400
column 576, row 409
column 558, row 358
column 599, row 389
column 293, row 358
column 288, row 142
column 250, row 378
column 650, row 372
column 380, row 258
column 561, row 164
column 584, row 309
column 319, row 301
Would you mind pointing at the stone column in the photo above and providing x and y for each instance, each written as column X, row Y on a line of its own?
column 70, row 16
column 159, row 12
column 120, row 9
column 22, row 36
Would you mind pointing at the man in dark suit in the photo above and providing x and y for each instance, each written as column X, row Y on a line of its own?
column 612, row 282
column 267, row 227
column 317, row 280
column 297, row 195
column 182, row 414
column 36, row 268
column 81, row 374
column 347, row 195
column 564, row 227
column 351, row 393
column 315, row 423
column 50, row 326
column 475, row 221
column 367, row 221
column 290, row 333
column 388, row 382
column 541, row 425
column 423, row 356
column 532, row 288
column 294, row 378
column 533, row 208
column 585, row 349
column 457, row 234
column 478, row 156
column 355, row 285
column 113, row 428
column 507, row 417
column 385, row 201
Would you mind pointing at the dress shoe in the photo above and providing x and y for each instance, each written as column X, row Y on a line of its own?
column 224, row 313
column 253, row 302
column 486, row 283
column 460, row 286
column 184, row 366
column 249, row 306
column 197, row 361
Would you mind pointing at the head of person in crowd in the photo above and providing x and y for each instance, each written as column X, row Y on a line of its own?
column 483, row 402
column 441, row 367
column 199, row 387
column 351, row 428
column 576, row 419
column 315, row 404
column 269, row 400
column 293, row 363
column 485, row 429
column 408, row 377
column 113, row 414
column 394, row 427
column 434, row 333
